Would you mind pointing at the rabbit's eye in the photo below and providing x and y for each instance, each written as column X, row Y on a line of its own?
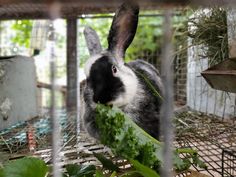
column 114, row 69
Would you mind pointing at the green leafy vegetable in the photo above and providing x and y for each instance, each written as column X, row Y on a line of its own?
column 125, row 138
column 144, row 170
column 1, row 172
column 99, row 173
column 107, row 163
column 113, row 174
column 197, row 161
column 131, row 174
column 128, row 140
column 75, row 170
column 25, row 167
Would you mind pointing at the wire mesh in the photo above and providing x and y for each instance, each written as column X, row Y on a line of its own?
column 206, row 134
column 228, row 163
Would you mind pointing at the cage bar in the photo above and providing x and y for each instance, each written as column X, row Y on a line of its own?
column 56, row 138
column 208, row 137
column 167, row 108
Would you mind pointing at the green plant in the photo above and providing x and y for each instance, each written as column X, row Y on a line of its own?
column 22, row 30
column 209, row 31
column 147, row 42
column 144, row 170
column 129, row 141
column 137, row 170
column 35, row 167
column 147, row 39
column 106, row 163
column 75, row 170
column 25, row 167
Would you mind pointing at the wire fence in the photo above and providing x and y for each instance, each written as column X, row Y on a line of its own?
column 210, row 136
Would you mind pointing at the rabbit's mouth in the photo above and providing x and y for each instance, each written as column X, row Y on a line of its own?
column 107, row 95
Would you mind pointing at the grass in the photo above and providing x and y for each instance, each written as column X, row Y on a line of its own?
column 209, row 30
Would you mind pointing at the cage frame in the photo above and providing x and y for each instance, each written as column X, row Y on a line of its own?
column 44, row 7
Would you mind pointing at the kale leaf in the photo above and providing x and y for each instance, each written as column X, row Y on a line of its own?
column 126, row 139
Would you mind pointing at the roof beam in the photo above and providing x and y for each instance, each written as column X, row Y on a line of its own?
column 31, row 9
column 112, row 2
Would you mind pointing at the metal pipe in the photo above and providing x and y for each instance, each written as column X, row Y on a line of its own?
column 54, row 118
column 78, row 91
column 167, row 108
column 54, row 12
column 111, row 16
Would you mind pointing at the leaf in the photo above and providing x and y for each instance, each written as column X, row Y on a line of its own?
column 99, row 173
column 1, row 172
column 199, row 162
column 22, row 29
column 75, row 170
column 72, row 169
column 130, row 174
column 144, row 170
column 106, row 163
column 87, row 171
column 181, row 164
column 26, row 167
column 113, row 174
column 126, row 139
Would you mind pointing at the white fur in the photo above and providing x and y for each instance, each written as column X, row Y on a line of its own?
column 130, row 81
column 90, row 62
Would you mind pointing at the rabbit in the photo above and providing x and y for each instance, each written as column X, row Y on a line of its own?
column 111, row 81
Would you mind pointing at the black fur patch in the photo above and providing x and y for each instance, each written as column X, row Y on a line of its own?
column 105, row 86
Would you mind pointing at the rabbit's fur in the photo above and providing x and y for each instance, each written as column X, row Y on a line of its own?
column 125, row 85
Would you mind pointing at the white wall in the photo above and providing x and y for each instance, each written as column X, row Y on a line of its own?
column 18, row 100
column 200, row 96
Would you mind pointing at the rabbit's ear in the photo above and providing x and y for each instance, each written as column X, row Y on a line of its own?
column 92, row 40
column 123, row 29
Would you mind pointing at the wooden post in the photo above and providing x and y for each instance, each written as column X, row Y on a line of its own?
column 71, row 98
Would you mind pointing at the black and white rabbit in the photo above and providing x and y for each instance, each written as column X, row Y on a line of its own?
column 111, row 81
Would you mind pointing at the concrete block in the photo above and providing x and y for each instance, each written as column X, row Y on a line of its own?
column 18, row 98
